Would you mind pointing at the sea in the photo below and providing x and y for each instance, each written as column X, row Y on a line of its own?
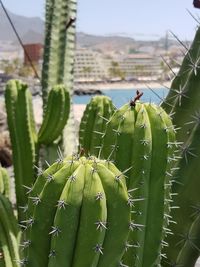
column 122, row 96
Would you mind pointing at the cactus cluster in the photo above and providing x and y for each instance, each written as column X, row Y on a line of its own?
column 73, row 215
column 24, row 137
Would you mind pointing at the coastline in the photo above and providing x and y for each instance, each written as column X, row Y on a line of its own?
column 122, row 85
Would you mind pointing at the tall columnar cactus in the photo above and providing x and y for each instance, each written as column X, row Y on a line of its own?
column 9, row 235
column 4, row 182
column 58, row 60
column 183, row 249
column 140, row 139
column 24, row 138
column 73, row 216
column 182, row 100
column 59, row 45
column 183, row 103
column 93, row 123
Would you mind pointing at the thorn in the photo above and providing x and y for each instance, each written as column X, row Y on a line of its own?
column 52, row 254
column 29, row 189
column 61, row 204
column 28, row 222
column 36, row 200
column 134, row 226
column 24, row 209
column 98, row 249
column 99, row 196
column 25, row 244
column 40, row 171
column 49, row 178
column 72, row 178
column 101, row 225
column 55, row 231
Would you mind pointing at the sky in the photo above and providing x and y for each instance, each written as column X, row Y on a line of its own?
column 141, row 19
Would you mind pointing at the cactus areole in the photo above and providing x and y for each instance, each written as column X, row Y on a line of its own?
column 73, row 215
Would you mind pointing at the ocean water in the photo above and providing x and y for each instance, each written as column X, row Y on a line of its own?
column 122, row 96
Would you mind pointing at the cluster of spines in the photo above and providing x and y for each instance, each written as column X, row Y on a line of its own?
column 9, row 235
column 132, row 140
column 71, row 206
column 93, row 124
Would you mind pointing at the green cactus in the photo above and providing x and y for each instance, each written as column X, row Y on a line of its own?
column 183, row 104
column 184, row 244
column 59, row 45
column 4, row 182
column 182, row 100
column 9, row 235
column 73, row 215
column 140, row 139
column 24, row 138
column 93, row 123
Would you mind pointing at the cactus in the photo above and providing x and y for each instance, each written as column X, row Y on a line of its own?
column 93, row 124
column 58, row 60
column 184, row 244
column 140, row 139
column 183, row 103
column 59, row 45
column 73, row 215
column 182, row 100
column 9, row 235
column 24, row 138
column 4, row 182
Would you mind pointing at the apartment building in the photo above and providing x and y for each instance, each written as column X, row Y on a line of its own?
column 89, row 66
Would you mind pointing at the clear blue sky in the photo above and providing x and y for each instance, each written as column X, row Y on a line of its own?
column 131, row 17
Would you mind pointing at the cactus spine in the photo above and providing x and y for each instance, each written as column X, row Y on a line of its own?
column 73, row 215
column 93, row 124
column 140, row 139
column 9, row 247
column 24, row 138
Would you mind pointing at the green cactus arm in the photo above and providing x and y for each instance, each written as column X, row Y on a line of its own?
column 60, row 43
column 93, row 123
column 183, row 98
column 56, row 115
column 45, row 215
column 6, row 259
column 4, row 182
column 67, row 217
column 23, row 136
column 184, row 244
column 9, row 230
column 118, row 226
